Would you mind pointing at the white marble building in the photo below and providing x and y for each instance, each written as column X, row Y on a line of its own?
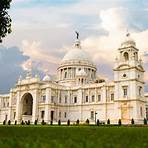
column 78, row 93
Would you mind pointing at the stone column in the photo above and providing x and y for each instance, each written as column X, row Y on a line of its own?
column 10, row 106
column 18, row 108
column 35, row 105
column 47, row 108
column 95, row 95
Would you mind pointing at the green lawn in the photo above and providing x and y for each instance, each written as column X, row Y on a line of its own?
column 73, row 137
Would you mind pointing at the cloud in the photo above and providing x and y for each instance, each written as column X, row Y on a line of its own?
column 10, row 61
column 39, row 58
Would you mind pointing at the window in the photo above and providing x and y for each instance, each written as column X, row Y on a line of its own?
column 65, row 76
column 65, row 99
column 141, row 111
column 93, row 98
column 60, row 100
column 75, row 99
column 59, row 114
column 140, row 89
column 52, row 99
column 42, row 114
column 65, row 115
column 86, row 99
column 8, row 104
column 125, row 91
column 4, row 104
column 14, row 114
column 82, row 81
column 99, row 97
column 112, row 97
column 124, row 75
column 92, row 115
column 44, row 98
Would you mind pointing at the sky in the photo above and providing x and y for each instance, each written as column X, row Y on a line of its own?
column 44, row 30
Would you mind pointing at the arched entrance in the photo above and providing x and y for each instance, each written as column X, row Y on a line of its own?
column 27, row 106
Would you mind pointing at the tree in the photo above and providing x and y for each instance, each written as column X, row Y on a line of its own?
column 119, row 122
column 5, row 20
column 108, row 121
column 77, row 122
column 59, row 122
column 132, row 121
column 98, row 122
column 145, row 121
column 68, row 122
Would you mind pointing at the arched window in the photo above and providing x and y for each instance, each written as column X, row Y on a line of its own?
column 93, row 98
column 140, row 90
column 126, row 56
column 82, row 81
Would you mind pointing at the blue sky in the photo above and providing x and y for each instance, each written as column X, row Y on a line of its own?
column 43, row 31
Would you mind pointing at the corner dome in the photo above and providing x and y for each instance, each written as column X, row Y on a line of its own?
column 128, row 41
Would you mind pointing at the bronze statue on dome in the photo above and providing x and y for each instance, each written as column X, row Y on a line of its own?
column 77, row 33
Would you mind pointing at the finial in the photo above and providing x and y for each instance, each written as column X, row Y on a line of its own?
column 77, row 33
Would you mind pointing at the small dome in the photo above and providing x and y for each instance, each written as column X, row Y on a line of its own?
column 81, row 73
column 47, row 78
column 128, row 41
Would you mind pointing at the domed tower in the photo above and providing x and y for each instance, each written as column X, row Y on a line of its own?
column 129, row 82
column 75, row 60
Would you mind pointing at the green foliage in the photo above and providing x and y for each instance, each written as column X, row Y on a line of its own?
column 77, row 122
column 5, row 20
column 108, row 121
column 132, row 121
column 72, row 137
column 59, row 122
column 68, row 122
column 119, row 122
column 98, row 122
column 145, row 121
column 87, row 121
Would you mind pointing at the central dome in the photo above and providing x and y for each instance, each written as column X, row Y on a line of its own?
column 77, row 54
column 76, row 62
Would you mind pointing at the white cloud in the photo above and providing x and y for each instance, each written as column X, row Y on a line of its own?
column 40, row 59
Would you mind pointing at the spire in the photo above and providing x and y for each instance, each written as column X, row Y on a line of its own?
column 77, row 42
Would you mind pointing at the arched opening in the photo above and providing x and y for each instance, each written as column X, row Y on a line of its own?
column 82, row 80
column 126, row 56
column 27, row 104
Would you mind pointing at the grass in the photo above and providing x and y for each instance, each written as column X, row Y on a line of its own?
column 73, row 137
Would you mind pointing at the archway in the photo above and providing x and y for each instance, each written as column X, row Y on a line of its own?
column 126, row 56
column 27, row 104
